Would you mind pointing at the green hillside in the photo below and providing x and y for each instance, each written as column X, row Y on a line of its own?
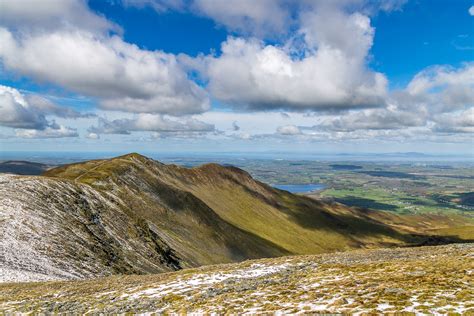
column 134, row 215
column 171, row 197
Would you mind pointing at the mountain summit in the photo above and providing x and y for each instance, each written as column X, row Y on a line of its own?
column 134, row 215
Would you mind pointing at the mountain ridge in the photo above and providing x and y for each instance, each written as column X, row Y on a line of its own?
column 134, row 215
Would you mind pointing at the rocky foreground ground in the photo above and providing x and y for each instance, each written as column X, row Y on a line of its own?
column 431, row 280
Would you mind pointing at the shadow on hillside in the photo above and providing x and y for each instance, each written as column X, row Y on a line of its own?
column 365, row 203
column 393, row 174
column 311, row 214
column 435, row 240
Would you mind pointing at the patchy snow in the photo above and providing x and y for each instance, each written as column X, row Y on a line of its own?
column 24, row 242
column 202, row 281
column 42, row 235
column 384, row 306
column 8, row 274
column 280, row 286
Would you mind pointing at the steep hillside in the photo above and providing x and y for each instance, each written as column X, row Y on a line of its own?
column 54, row 228
column 298, row 224
column 421, row 280
column 132, row 214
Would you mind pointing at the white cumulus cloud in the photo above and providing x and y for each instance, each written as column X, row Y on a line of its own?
column 459, row 122
column 442, row 88
column 150, row 122
column 262, row 17
column 29, row 115
column 288, row 130
column 52, row 14
column 67, row 44
column 328, row 71
column 121, row 75
column 52, row 131
column 93, row 136
column 17, row 113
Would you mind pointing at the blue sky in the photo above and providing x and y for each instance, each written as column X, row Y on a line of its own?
column 173, row 32
column 416, row 27
column 237, row 75
column 424, row 33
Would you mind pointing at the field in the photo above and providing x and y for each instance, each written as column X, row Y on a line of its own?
column 401, row 188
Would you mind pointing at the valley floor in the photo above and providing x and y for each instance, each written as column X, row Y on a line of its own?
column 434, row 280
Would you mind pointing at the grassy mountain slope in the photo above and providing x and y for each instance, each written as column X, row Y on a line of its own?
column 59, row 228
column 193, row 229
column 419, row 280
column 297, row 224
column 133, row 215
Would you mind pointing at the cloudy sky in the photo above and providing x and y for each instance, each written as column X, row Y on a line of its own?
column 237, row 75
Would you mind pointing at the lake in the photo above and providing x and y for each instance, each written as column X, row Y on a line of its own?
column 300, row 188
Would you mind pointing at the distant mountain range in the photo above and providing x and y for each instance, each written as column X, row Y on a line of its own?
column 23, row 167
column 134, row 215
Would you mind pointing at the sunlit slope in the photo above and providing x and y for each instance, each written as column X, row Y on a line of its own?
column 124, row 221
column 134, row 215
column 192, row 229
column 164, row 194
column 298, row 224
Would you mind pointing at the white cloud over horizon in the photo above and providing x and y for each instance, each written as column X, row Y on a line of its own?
column 29, row 115
column 51, row 131
column 150, row 123
column 288, row 130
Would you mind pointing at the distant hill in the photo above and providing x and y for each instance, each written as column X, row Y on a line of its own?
column 23, row 167
column 134, row 215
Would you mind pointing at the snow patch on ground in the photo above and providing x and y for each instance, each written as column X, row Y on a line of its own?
column 202, row 281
